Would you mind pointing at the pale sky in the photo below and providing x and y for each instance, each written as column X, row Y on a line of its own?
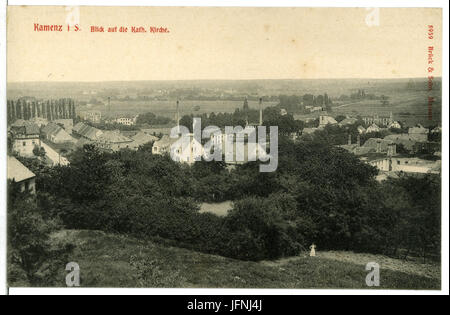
column 222, row 43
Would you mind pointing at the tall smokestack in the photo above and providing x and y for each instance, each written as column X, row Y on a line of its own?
column 178, row 115
column 349, row 142
column 358, row 140
column 260, row 112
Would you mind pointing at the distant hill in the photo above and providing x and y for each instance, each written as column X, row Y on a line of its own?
column 334, row 87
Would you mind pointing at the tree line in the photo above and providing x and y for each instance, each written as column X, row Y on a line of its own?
column 50, row 109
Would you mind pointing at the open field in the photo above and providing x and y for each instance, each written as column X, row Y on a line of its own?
column 408, row 98
column 168, row 108
column 414, row 103
column 104, row 261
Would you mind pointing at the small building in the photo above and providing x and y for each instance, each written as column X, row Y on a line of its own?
column 438, row 129
column 142, row 138
column 126, row 121
column 20, row 123
column 25, row 138
column 394, row 125
column 94, row 116
column 67, row 124
column 402, row 139
column 407, row 165
column 379, row 120
column 418, row 133
column 21, row 175
column 356, row 148
column 113, row 141
column 361, row 130
column 237, row 148
column 163, row 145
column 85, row 131
column 56, row 134
column 373, row 128
column 378, row 144
column 326, row 120
column 190, row 153
column 185, row 153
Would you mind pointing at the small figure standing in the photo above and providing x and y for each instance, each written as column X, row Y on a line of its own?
column 313, row 250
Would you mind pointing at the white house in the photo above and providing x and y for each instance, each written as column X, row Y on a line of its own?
column 373, row 128
column 56, row 134
column 361, row 130
column 126, row 121
column 394, row 125
column 21, row 175
column 25, row 138
column 180, row 151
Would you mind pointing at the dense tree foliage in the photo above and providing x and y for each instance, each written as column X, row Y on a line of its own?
column 32, row 255
column 152, row 119
column 319, row 193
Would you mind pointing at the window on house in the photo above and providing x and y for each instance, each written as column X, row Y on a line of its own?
column 24, row 143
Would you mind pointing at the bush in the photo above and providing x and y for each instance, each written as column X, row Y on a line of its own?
column 258, row 231
column 33, row 257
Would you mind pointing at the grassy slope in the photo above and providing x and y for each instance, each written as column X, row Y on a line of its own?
column 104, row 261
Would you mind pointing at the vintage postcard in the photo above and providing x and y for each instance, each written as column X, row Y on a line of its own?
column 224, row 147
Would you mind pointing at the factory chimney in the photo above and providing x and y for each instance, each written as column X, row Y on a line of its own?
column 260, row 112
column 178, row 115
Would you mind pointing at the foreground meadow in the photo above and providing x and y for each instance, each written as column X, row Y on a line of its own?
column 109, row 260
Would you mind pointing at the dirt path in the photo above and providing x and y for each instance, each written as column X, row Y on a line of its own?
column 408, row 267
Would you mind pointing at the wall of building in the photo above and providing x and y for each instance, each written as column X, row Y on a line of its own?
column 407, row 165
column 25, row 146
column 125, row 121
column 60, row 137
column 28, row 185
